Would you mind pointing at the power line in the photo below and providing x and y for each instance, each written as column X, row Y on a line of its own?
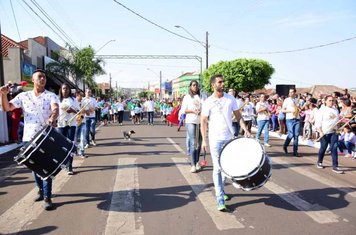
column 13, row 13
column 157, row 25
column 53, row 22
column 238, row 51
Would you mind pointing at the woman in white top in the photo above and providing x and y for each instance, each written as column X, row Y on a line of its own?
column 67, row 123
column 191, row 106
column 120, row 105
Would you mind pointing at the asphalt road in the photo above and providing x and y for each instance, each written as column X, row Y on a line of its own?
column 144, row 186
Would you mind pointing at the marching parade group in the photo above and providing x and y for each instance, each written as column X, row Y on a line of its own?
column 210, row 122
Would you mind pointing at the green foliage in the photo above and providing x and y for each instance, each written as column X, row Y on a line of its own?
column 77, row 63
column 145, row 94
column 241, row 74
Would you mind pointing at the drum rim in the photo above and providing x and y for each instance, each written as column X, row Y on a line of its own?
column 253, row 172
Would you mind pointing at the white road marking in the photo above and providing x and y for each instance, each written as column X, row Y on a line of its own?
column 334, row 183
column 26, row 210
column 121, row 219
column 318, row 213
column 223, row 221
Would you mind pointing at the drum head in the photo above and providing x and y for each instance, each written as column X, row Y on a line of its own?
column 240, row 157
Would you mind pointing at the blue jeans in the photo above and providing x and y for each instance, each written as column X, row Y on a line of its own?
column 80, row 134
column 218, row 177
column 90, row 123
column 150, row 117
column 195, row 147
column 327, row 139
column 274, row 122
column 69, row 132
column 45, row 186
column 263, row 125
column 236, row 128
column 187, row 142
column 293, row 126
column 346, row 145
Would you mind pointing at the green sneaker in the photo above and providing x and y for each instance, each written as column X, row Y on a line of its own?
column 226, row 197
column 222, row 207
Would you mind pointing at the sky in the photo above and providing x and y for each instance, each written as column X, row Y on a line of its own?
column 237, row 29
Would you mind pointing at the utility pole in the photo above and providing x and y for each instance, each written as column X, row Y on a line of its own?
column 110, row 93
column 4, row 136
column 207, row 49
column 117, row 92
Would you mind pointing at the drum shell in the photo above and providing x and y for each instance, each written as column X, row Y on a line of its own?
column 258, row 179
column 46, row 153
column 245, row 162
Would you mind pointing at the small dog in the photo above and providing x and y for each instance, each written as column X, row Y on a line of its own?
column 127, row 134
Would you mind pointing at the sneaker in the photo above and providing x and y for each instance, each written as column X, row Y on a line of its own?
column 226, row 197
column 39, row 196
column 86, row 146
column 48, row 205
column 82, row 156
column 70, row 172
column 297, row 155
column 197, row 166
column 221, row 206
column 338, row 170
column 348, row 155
column 268, row 145
column 320, row 165
column 93, row 143
column 193, row 169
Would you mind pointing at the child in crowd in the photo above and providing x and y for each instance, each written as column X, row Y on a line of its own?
column 347, row 140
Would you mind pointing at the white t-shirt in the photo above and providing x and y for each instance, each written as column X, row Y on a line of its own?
column 30, row 105
column 191, row 103
column 239, row 105
column 262, row 115
column 120, row 106
column 150, row 106
column 290, row 105
column 64, row 117
column 90, row 103
column 219, row 111
column 326, row 118
column 247, row 112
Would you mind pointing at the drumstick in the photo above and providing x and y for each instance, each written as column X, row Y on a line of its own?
column 318, row 139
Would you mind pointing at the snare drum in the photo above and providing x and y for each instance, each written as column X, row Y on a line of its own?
column 47, row 153
column 245, row 162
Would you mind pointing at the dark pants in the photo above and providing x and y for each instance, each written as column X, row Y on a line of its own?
column 236, row 128
column 346, row 145
column 327, row 139
column 150, row 116
column 120, row 116
column 90, row 128
column 69, row 132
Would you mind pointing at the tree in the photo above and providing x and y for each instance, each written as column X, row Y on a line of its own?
column 145, row 94
column 241, row 74
column 79, row 64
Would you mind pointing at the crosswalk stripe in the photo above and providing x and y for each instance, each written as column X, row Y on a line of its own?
column 121, row 218
column 318, row 213
column 348, row 189
column 25, row 210
column 223, row 221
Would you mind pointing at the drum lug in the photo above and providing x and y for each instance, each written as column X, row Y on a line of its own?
column 54, row 160
column 44, row 133
column 44, row 171
column 69, row 140
column 52, row 139
column 31, row 161
column 41, row 150
column 33, row 145
column 72, row 154
column 65, row 149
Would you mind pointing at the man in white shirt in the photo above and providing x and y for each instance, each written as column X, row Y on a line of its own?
column 290, row 108
column 30, row 102
column 90, row 120
column 150, row 108
column 217, row 111
column 325, row 122
column 263, row 110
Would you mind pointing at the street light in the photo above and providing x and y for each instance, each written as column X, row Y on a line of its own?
column 160, row 82
column 205, row 45
column 112, row 40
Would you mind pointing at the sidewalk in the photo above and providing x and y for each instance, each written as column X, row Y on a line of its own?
column 9, row 147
